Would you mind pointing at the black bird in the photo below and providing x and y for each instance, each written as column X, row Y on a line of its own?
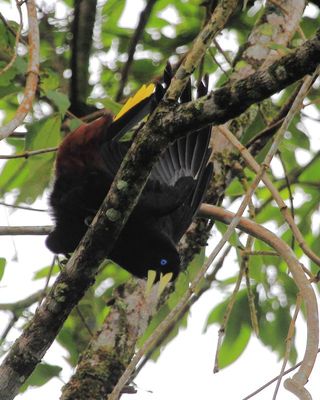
column 87, row 161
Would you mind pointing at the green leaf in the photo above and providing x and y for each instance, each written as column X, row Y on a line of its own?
column 44, row 272
column 49, row 81
column 38, row 177
column 7, row 76
column 74, row 124
column 13, row 175
column 3, row 262
column 232, row 347
column 44, row 133
column 196, row 264
column 32, row 176
column 41, row 375
column 234, row 238
column 111, row 105
column 60, row 100
column 273, row 332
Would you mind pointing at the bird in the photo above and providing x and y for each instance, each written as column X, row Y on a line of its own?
column 86, row 164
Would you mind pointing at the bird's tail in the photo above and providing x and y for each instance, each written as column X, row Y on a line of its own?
column 138, row 107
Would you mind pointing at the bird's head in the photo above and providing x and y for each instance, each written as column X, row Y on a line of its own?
column 150, row 251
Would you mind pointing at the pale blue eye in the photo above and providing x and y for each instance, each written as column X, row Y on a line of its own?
column 163, row 262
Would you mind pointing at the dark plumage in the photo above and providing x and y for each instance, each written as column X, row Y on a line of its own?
column 87, row 162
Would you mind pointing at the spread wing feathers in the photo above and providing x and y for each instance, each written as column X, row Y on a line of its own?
column 183, row 158
column 113, row 153
column 182, row 217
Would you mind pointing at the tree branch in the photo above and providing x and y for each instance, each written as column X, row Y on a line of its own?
column 28, row 154
column 25, row 230
column 112, row 348
column 32, row 73
column 82, row 29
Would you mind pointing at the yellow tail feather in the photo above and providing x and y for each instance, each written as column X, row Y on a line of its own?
column 142, row 93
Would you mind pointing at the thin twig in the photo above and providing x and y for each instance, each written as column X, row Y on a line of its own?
column 225, row 319
column 11, row 30
column 275, row 194
column 9, row 326
column 289, row 191
column 224, row 53
column 273, row 380
column 46, row 285
column 226, row 73
column 32, row 73
column 28, row 154
column 245, row 265
column 293, row 177
column 83, row 320
column 144, row 16
column 288, row 344
column 18, row 34
column 2, row 203
column 262, row 253
column 25, row 230
column 20, row 305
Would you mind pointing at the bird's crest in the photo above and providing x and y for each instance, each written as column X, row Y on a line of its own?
column 144, row 92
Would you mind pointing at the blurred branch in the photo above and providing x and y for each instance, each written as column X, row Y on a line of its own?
column 28, row 154
column 14, row 318
column 24, row 230
column 17, row 39
column 289, row 342
column 21, row 305
column 2, row 203
column 17, row 308
column 82, row 30
column 258, row 142
column 273, row 380
column 292, row 178
column 143, row 20
column 32, row 73
column 275, row 195
column 288, row 186
column 11, row 30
